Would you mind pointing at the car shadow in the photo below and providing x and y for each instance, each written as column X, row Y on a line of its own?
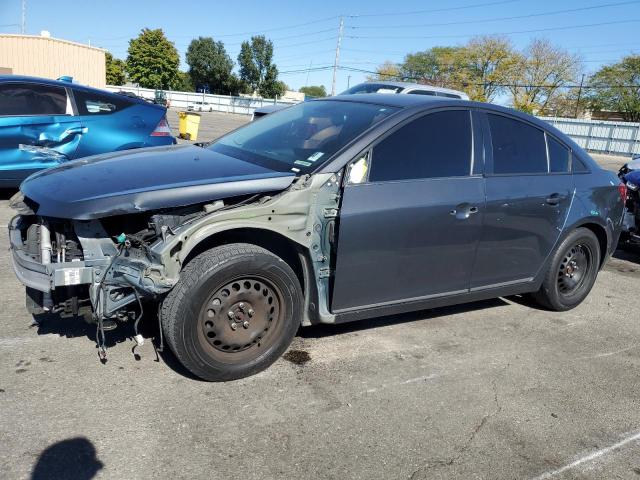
column 71, row 459
column 328, row 330
column 7, row 193
column 628, row 254
column 73, row 327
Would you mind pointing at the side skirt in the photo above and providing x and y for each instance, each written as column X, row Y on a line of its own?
column 443, row 301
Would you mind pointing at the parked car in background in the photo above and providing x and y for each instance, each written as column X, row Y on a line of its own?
column 330, row 211
column 46, row 122
column 404, row 88
column 200, row 107
column 379, row 87
column 267, row 109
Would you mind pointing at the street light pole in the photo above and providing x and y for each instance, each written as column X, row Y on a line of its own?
column 337, row 59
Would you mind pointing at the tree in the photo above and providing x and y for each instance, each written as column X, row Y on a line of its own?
column 387, row 71
column 539, row 73
column 617, row 88
column 209, row 64
column 114, row 70
column 438, row 66
column 153, row 60
column 185, row 84
column 314, row 91
column 256, row 68
column 484, row 65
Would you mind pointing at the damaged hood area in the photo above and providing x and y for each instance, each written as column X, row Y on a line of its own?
column 145, row 179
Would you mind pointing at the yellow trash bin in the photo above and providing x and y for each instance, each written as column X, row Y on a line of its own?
column 188, row 125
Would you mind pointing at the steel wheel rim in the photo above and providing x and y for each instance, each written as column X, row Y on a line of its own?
column 574, row 269
column 240, row 318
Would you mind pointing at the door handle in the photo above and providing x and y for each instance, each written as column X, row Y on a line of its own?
column 463, row 211
column 553, row 199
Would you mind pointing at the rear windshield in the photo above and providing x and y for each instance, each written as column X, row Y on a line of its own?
column 300, row 138
column 372, row 88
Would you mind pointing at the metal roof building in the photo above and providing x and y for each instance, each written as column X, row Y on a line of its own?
column 43, row 56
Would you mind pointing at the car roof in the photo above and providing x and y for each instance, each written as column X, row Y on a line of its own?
column 427, row 102
column 74, row 86
column 412, row 86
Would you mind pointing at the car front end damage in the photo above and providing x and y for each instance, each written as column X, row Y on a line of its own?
column 107, row 268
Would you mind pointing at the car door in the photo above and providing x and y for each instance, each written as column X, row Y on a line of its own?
column 529, row 190
column 37, row 128
column 409, row 230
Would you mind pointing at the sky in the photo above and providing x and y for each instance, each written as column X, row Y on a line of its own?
column 305, row 33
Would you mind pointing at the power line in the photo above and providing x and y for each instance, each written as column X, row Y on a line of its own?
column 549, row 29
column 497, row 19
column 434, row 10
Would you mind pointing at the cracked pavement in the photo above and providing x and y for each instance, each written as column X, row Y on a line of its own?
column 490, row 390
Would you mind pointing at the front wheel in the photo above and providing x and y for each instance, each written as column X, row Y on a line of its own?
column 572, row 271
column 234, row 311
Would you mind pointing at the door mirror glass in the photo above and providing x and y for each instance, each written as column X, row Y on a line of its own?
column 357, row 170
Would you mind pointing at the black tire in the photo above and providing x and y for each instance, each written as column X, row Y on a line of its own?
column 571, row 272
column 207, row 317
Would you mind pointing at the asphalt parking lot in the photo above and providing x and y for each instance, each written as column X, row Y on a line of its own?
column 497, row 390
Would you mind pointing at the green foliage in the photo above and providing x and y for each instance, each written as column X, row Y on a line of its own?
column 314, row 91
column 153, row 61
column 209, row 64
column 185, row 83
column 256, row 68
column 538, row 75
column 387, row 71
column 436, row 66
column 485, row 64
column 618, row 88
column 114, row 70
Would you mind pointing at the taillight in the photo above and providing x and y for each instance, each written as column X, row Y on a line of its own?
column 162, row 129
column 622, row 189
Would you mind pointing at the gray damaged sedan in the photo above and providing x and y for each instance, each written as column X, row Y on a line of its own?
column 330, row 211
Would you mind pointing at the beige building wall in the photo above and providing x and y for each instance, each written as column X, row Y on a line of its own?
column 52, row 58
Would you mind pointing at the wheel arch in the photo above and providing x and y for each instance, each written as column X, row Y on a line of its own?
column 599, row 230
column 285, row 248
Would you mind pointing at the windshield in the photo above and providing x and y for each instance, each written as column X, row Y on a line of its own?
column 300, row 138
column 372, row 88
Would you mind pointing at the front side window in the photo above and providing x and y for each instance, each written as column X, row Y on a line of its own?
column 559, row 156
column 518, row 148
column 301, row 137
column 434, row 146
column 32, row 99
column 95, row 103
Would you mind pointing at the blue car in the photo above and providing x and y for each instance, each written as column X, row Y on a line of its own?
column 45, row 122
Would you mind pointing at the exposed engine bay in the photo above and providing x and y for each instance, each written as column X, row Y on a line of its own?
column 107, row 269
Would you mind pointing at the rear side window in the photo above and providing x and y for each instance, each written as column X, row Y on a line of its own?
column 517, row 147
column 422, row 92
column 32, row 99
column 436, row 145
column 94, row 103
column 559, row 156
column 577, row 165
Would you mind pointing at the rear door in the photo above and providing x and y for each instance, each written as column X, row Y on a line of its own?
column 38, row 129
column 113, row 122
column 410, row 230
column 529, row 190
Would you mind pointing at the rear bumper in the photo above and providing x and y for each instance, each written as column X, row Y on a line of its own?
column 38, row 276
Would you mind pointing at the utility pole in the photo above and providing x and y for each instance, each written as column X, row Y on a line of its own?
column 348, row 81
column 24, row 17
column 579, row 94
column 337, row 59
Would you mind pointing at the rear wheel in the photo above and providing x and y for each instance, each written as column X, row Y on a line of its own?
column 572, row 271
column 234, row 311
